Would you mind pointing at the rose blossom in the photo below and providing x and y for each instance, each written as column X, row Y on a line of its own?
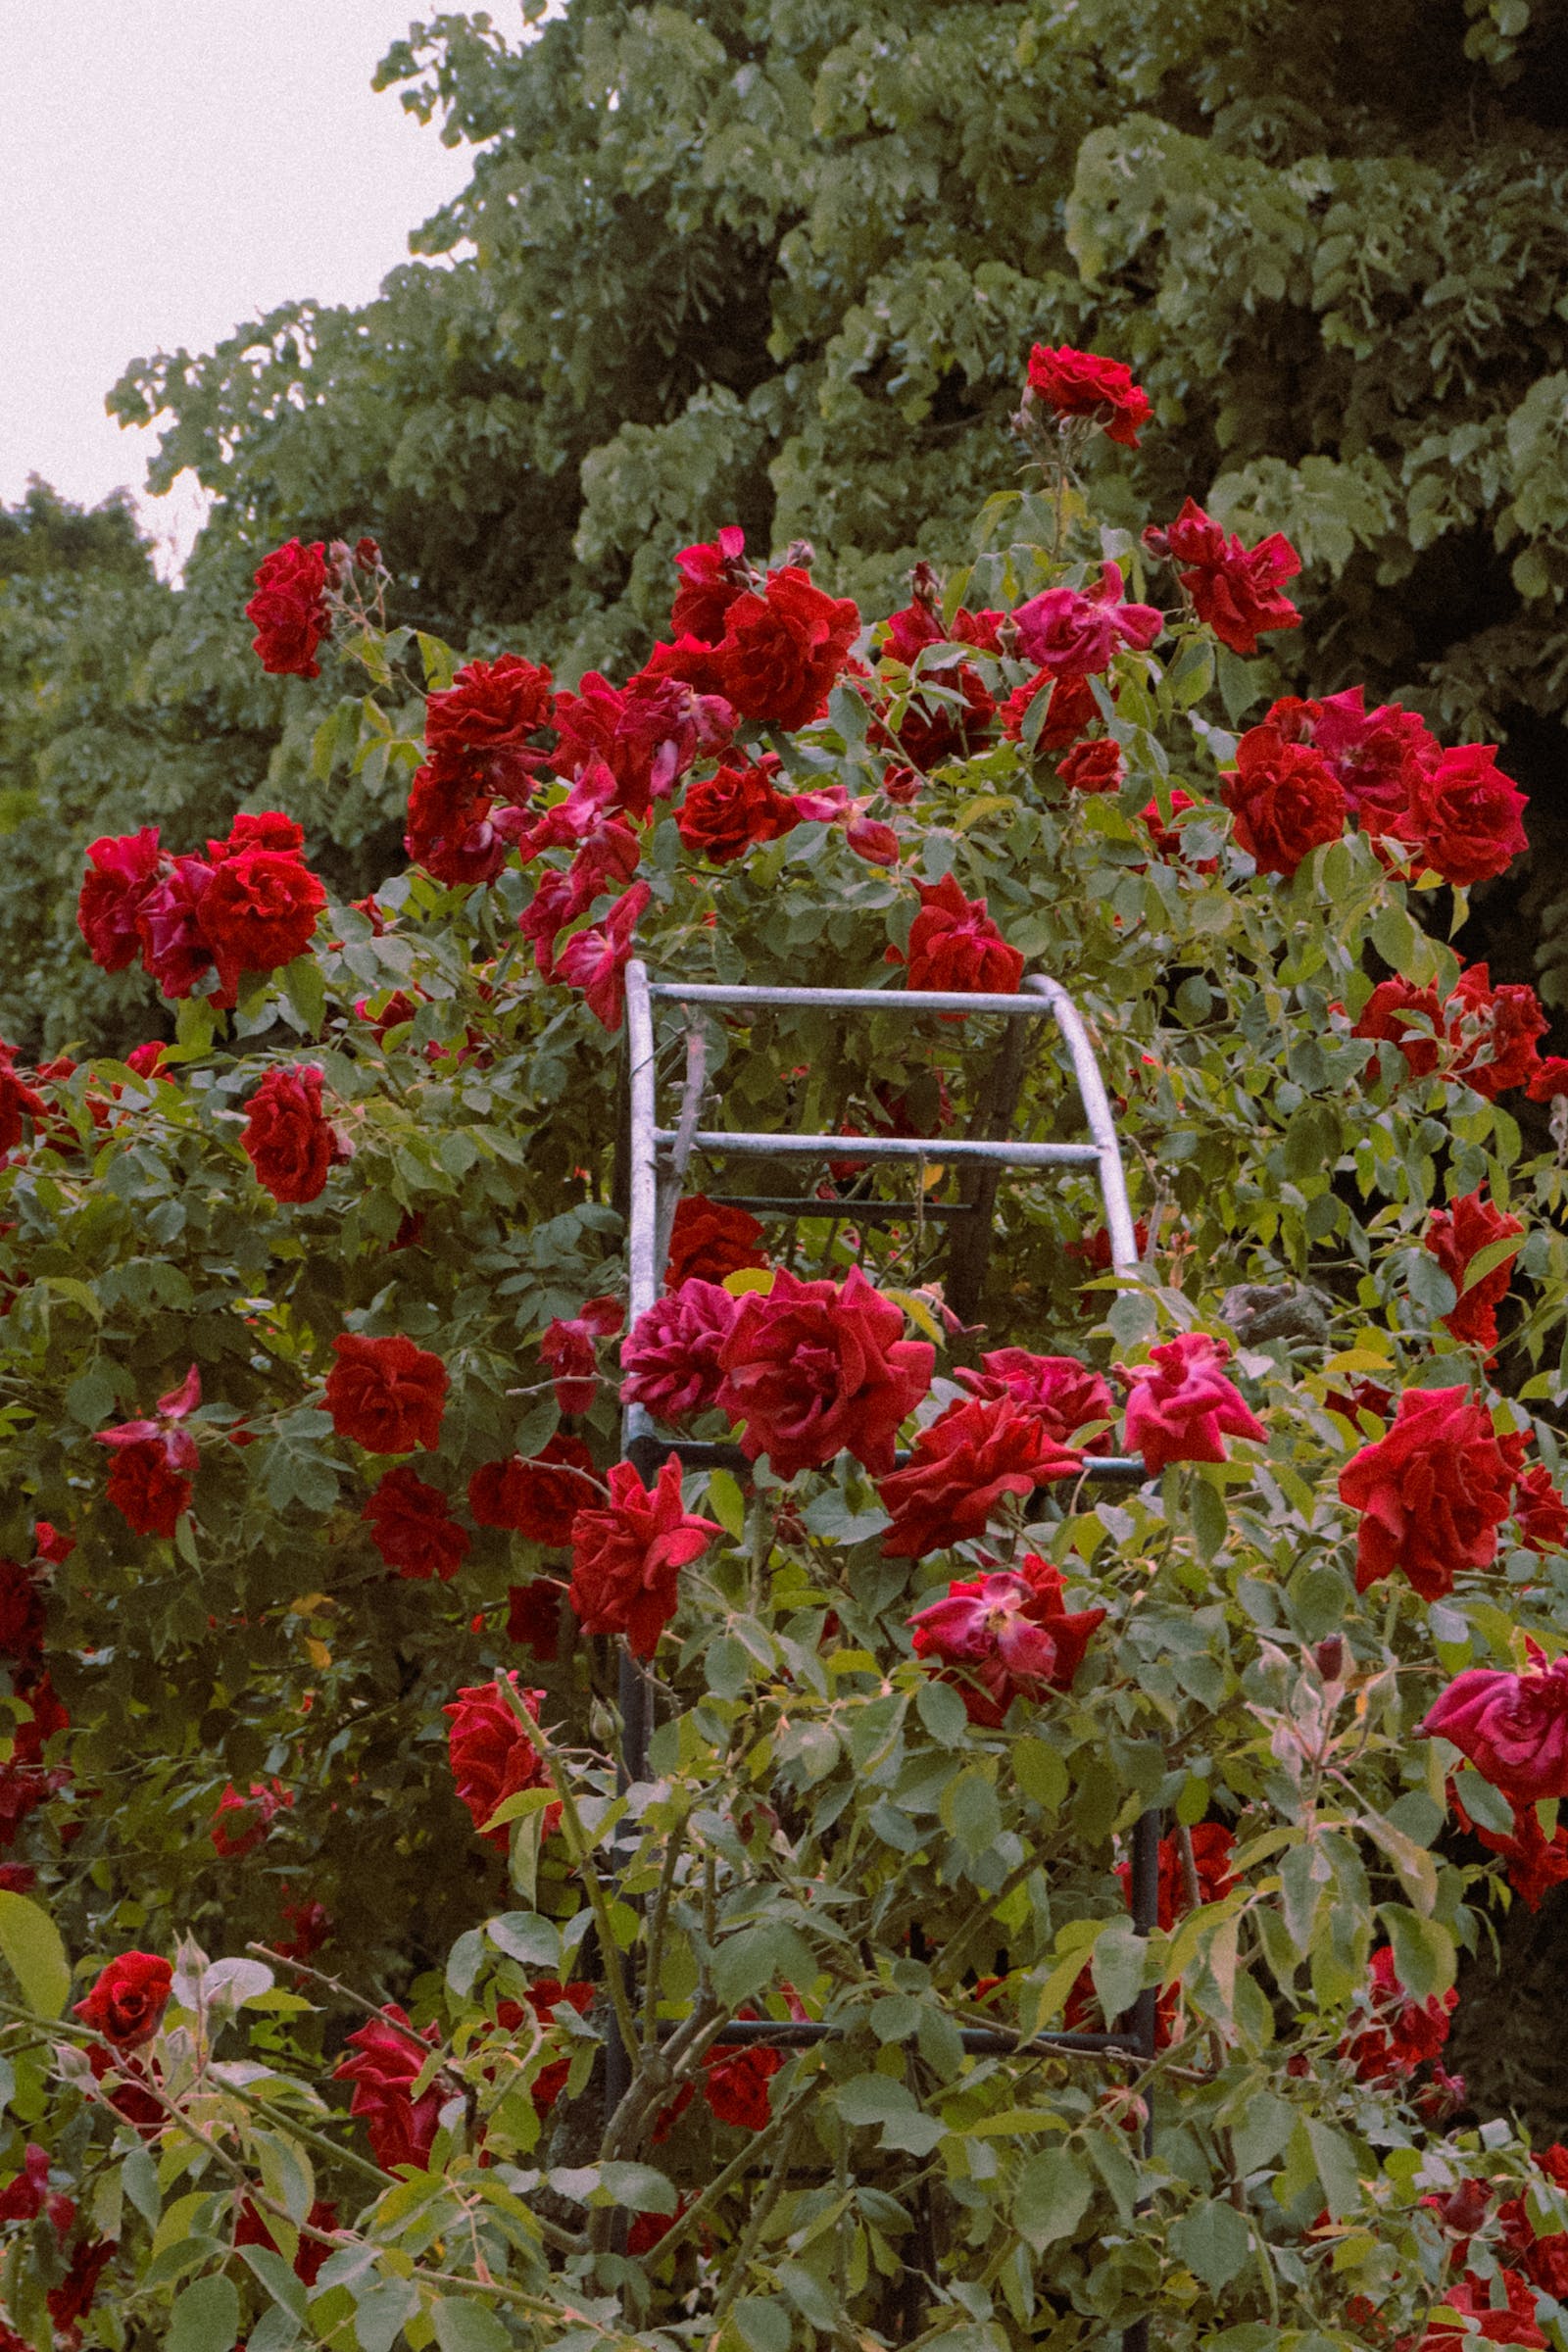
column 1534, row 1863
column 492, row 1757
column 1494, row 1031
column 258, row 913
column 21, row 1615
column 1512, row 1727
column 1074, row 632
column 17, row 1102
column 385, row 1393
column 1455, row 1237
column 713, row 574
column 121, row 871
column 150, row 1484
column 1513, row 2324
column 1005, row 1636
column 1181, row 1407
column 671, row 1354
column 1545, row 2256
column 286, row 1138
column 1092, row 766
column 1065, row 1394
column 782, row 650
column 813, row 1368
column 1212, row 1847
column 647, row 732
column 413, row 1528
column 450, row 832
column 538, row 1497
column 1080, row 383
column 725, row 815
column 1071, row 708
column 1402, row 2033
column 596, row 960
column 128, row 1999
column 960, row 1468
column 534, row 1617
column 1235, row 590
column 709, row 1241
column 1466, row 812
column 387, row 2058
column 484, row 719
column 568, row 1350
column 956, row 947
column 1539, row 1511
column 1432, row 1493
column 1285, row 798
column 240, row 1823
column 626, row 1558
column 289, row 609
column 543, row 1998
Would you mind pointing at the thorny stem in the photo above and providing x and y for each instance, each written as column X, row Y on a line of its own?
column 698, row 2211
column 773, row 2191
column 582, row 1857
column 675, row 1847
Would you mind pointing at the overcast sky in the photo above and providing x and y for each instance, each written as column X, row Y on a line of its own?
column 168, row 170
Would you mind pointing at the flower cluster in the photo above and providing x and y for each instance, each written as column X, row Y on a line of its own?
column 248, row 905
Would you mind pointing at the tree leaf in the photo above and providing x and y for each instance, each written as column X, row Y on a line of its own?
column 30, row 1942
column 205, row 2317
column 1051, row 2197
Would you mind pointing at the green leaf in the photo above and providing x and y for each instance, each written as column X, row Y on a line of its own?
column 762, row 2324
column 305, row 990
column 747, row 1962
column 1116, row 1965
column 1213, row 2241
column 527, row 1938
column 1051, row 2197
column 205, row 2317
column 463, row 2326
column 639, row 2186
column 1334, row 2162
column 278, row 2278
column 1424, row 1955
column 30, row 1942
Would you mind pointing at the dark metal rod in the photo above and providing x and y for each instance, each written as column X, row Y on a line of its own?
column 984, row 2040
column 712, row 1453
column 935, row 1151
column 847, row 1212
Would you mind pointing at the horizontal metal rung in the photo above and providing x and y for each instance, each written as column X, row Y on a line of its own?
column 862, row 1213
column 932, row 1151
column 984, row 2040
column 846, row 1000
column 714, row 1453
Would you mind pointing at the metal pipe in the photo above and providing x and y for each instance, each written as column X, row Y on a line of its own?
column 641, row 1239
column 843, row 999
column 996, row 2042
column 1101, row 1126
column 715, row 1453
column 844, row 1210
column 743, row 1144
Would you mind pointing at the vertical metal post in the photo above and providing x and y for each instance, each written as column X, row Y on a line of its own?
column 1143, row 2018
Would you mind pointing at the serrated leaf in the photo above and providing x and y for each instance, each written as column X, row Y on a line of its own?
column 1051, row 2197
column 34, row 1952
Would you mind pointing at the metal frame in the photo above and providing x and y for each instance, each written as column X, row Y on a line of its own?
column 657, row 1161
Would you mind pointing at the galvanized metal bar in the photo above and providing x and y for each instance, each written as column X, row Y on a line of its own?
column 642, row 1224
column 717, row 1453
column 1097, row 1112
column 744, row 1144
column 847, row 1210
column 843, row 999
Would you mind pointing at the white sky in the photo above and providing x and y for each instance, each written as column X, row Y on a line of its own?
column 169, row 169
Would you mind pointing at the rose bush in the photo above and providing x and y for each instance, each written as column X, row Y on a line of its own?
column 319, row 1663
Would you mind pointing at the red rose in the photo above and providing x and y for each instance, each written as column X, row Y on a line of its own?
column 1080, row 383
column 309, row 1925
column 1181, row 1407
column 1092, row 766
column 876, row 843
column 413, row 1529
column 735, row 2082
column 1512, row 1727
column 449, row 828
column 259, row 913
column 387, row 2058
column 1378, row 756
column 1493, row 1032
column 713, row 574
column 1064, row 1394
column 289, row 609
column 1402, row 2033
column 1286, row 801
column 954, row 946
column 150, row 1496
column 250, row 2230
column 569, row 1348
column 671, row 1357
column 1235, row 590
column 626, row 1559
column 489, row 710
column 286, row 1138
column 812, row 1369
column 647, row 732
column 68, row 2303
column 491, row 1757
column 51, row 1545
column 596, row 960
column 1074, row 632
column 1454, row 1236
column 1550, row 1079
column 960, row 1468
column 1005, row 1637
column 709, row 1241
column 1071, row 708
column 725, row 815
column 539, row 1498
column 128, row 1999
column 121, row 871
column 1539, row 1510
column 534, row 1617
column 387, row 1395
column 240, row 1823
column 1534, row 1863
column 1516, row 2324
column 1391, row 1014
column 257, row 829
column 1432, row 1493
column 1545, row 2258
column 544, row 1997
column 16, row 1102
column 21, row 1615
column 28, row 2196
column 1212, row 1846
column 1166, row 838
column 782, row 650
column 1466, row 812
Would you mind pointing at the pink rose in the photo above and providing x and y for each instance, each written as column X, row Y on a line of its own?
column 1181, row 1407
column 1512, row 1727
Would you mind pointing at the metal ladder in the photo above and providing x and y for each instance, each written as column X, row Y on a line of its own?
column 656, row 1158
